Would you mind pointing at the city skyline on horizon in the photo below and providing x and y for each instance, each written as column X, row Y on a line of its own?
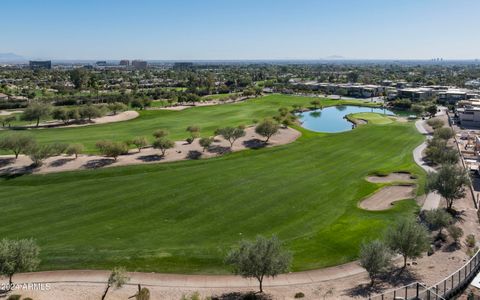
column 247, row 30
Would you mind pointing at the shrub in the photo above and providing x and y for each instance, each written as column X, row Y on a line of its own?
column 437, row 219
column 299, row 295
column 267, row 128
column 116, row 107
column 470, row 241
column 445, row 133
column 75, row 149
column 455, row 232
column 14, row 297
column 139, row 142
column 112, row 149
column 90, row 112
column 472, row 251
column 160, row 133
column 435, row 123
column 163, row 144
column 38, row 153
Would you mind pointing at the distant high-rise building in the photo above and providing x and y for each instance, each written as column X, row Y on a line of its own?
column 40, row 64
column 139, row 64
column 125, row 62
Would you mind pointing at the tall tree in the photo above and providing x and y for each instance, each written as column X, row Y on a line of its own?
column 449, row 182
column 375, row 257
column 17, row 143
column 35, row 111
column 267, row 128
column 163, row 144
column 231, row 134
column 259, row 259
column 18, row 256
column 407, row 238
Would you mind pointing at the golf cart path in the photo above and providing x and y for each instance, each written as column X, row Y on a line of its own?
column 432, row 199
column 195, row 281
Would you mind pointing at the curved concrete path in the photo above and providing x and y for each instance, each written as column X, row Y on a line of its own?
column 432, row 199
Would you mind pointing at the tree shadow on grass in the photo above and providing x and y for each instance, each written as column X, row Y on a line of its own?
column 60, row 162
column 98, row 163
column 243, row 296
column 150, row 158
column 254, row 144
column 6, row 161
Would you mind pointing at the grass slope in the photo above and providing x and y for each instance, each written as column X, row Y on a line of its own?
column 185, row 216
column 208, row 118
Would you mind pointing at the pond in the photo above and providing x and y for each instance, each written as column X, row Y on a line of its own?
column 331, row 119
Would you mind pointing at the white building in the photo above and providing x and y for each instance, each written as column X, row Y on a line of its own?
column 468, row 112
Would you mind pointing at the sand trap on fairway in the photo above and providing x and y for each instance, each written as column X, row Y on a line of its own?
column 385, row 197
column 120, row 117
column 391, row 178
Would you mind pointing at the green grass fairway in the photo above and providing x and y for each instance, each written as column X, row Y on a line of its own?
column 183, row 217
column 208, row 118
column 373, row 118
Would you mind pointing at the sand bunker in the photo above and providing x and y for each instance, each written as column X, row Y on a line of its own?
column 120, row 117
column 385, row 197
column 392, row 177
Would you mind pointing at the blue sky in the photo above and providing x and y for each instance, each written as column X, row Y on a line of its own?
column 240, row 29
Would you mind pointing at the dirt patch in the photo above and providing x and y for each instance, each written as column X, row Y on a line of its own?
column 385, row 197
column 392, row 177
column 181, row 151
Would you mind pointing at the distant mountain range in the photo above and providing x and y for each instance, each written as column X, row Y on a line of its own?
column 8, row 57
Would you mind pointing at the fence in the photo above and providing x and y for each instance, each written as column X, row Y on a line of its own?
column 445, row 289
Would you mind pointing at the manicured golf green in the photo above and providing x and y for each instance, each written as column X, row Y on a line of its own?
column 184, row 217
column 373, row 118
column 208, row 118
